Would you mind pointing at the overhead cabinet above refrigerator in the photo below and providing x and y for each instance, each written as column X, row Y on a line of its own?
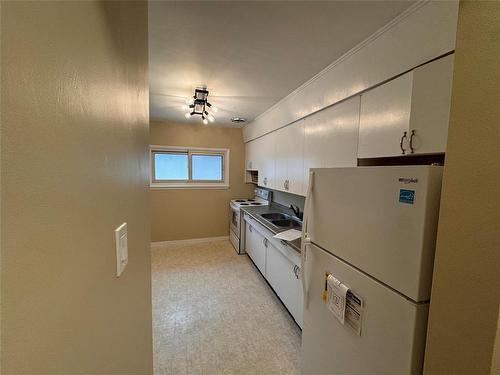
column 409, row 114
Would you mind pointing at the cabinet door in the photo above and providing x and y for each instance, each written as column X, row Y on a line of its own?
column 299, row 316
column 430, row 105
column 249, row 240
column 280, row 274
column 289, row 158
column 295, row 160
column 257, row 247
column 250, row 154
column 384, row 118
column 281, row 156
column 331, row 138
column 266, row 152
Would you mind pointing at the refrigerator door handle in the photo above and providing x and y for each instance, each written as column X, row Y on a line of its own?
column 305, row 237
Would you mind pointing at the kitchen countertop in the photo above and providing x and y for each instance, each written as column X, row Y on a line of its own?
column 256, row 211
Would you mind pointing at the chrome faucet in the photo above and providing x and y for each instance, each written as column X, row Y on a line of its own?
column 296, row 211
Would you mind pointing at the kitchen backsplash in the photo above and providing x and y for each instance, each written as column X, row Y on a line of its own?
column 286, row 199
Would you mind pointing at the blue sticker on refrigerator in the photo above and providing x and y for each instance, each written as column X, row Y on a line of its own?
column 406, row 196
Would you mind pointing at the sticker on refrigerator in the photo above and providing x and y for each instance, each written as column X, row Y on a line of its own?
column 406, row 196
column 354, row 312
column 334, row 296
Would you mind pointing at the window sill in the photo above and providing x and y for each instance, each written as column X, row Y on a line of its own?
column 158, row 186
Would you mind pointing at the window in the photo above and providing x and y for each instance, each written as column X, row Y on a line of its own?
column 189, row 167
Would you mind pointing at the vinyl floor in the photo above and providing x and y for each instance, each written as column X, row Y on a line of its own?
column 213, row 313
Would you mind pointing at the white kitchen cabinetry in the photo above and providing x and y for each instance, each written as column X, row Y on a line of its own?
column 278, row 263
column 408, row 115
column 430, row 105
column 331, row 138
column 265, row 160
column 255, row 246
column 251, row 152
column 284, row 277
column 289, row 158
column 385, row 118
column 299, row 317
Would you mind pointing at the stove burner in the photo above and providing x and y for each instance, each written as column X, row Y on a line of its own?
column 244, row 204
column 251, row 200
column 240, row 200
column 256, row 203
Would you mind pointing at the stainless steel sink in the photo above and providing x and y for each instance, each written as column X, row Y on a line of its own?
column 286, row 223
column 275, row 216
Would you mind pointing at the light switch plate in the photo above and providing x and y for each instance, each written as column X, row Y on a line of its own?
column 121, row 248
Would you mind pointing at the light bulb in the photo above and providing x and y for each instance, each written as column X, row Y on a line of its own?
column 185, row 107
column 211, row 118
column 214, row 109
column 187, row 115
column 205, row 121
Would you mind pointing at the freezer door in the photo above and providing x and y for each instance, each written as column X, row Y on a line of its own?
column 382, row 220
column 393, row 329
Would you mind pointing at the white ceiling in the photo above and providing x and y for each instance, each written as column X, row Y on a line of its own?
column 249, row 54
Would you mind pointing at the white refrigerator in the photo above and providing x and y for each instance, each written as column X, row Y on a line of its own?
column 374, row 230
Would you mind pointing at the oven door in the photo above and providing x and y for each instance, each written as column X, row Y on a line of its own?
column 235, row 220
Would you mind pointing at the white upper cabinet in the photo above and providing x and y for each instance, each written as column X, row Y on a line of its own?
column 430, row 106
column 266, row 152
column 250, row 155
column 385, row 118
column 331, row 138
column 289, row 158
column 408, row 115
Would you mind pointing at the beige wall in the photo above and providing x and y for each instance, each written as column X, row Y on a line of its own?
column 495, row 363
column 74, row 167
column 191, row 213
column 466, row 287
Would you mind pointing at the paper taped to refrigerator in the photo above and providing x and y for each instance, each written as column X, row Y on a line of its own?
column 354, row 311
column 336, row 297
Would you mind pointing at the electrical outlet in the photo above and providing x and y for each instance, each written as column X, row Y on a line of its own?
column 121, row 248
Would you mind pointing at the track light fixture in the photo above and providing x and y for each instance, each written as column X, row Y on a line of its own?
column 199, row 105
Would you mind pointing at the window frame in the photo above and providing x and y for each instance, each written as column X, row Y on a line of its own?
column 189, row 183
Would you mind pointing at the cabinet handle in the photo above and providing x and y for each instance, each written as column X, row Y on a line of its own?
column 411, row 141
column 265, row 242
column 403, row 151
column 250, row 228
column 287, row 184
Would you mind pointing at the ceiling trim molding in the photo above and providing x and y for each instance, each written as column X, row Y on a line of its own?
column 402, row 16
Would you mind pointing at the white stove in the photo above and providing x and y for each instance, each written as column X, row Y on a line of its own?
column 262, row 198
column 248, row 202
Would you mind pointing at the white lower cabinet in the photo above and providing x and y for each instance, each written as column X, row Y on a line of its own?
column 284, row 277
column 255, row 246
column 279, row 264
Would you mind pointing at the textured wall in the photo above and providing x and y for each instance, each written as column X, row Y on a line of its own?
column 466, row 286
column 74, row 146
column 179, row 214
